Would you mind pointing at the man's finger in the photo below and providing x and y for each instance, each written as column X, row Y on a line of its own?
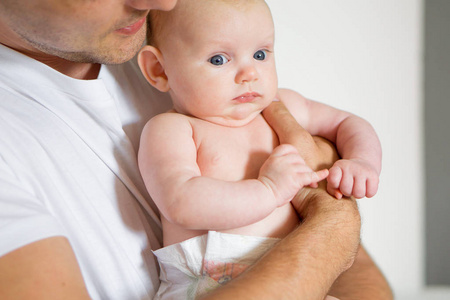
column 289, row 131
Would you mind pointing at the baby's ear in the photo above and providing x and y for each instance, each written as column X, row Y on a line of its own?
column 151, row 64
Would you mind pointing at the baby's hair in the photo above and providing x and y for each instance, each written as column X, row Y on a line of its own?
column 156, row 19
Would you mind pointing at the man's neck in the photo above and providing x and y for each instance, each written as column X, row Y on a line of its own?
column 75, row 70
column 72, row 69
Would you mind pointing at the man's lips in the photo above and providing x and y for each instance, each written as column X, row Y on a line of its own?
column 133, row 28
column 247, row 97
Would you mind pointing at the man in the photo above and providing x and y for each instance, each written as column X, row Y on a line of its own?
column 75, row 220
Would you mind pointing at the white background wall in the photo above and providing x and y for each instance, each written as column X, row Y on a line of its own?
column 365, row 56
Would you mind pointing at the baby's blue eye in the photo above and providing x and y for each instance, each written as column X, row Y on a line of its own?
column 218, row 60
column 260, row 55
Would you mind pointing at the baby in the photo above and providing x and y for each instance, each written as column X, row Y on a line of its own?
column 213, row 165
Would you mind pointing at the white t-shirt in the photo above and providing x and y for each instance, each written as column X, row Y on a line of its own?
column 68, row 168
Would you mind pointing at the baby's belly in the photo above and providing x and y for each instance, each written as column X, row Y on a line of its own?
column 278, row 224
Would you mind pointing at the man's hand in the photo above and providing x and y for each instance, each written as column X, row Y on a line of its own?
column 316, row 205
column 306, row 263
column 352, row 177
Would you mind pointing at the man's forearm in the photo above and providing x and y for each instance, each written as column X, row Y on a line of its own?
column 305, row 264
column 46, row 269
column 362, row 281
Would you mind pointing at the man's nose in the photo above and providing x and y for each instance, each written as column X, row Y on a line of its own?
column 151, row 4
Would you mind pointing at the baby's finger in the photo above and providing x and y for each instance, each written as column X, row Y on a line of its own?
column 359, row 188
column 322, row 174
column 309, row 178
column 334, row 178
column 314, row 185
column 333, row 191
column 346, row 186
column 371, row 187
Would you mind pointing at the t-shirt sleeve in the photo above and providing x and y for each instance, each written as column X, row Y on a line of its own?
column 24, row 218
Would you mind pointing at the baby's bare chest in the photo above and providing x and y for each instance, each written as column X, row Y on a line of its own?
column 233, row 153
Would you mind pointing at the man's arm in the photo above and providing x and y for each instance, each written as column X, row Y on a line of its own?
column 46, row 269
column 305, row 264
column 363, row 280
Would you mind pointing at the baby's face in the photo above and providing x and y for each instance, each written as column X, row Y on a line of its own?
column 219, row 60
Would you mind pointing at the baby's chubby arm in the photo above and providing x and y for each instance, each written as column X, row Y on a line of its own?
column 168, row 164
column 357, row 173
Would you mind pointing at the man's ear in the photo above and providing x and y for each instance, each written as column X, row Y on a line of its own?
column 150, row 61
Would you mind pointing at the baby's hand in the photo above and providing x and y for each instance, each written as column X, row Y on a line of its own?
column 285, row 173
column 352, row 177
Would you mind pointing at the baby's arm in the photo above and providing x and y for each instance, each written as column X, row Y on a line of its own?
column 357, row 173
column 168, row 164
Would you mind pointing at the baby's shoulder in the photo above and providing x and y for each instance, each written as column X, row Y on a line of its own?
column 167, row 122
column 290, row 97
column 293, row 101
column 169, row 117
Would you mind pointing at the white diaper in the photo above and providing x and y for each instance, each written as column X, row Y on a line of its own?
column 198, row 265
